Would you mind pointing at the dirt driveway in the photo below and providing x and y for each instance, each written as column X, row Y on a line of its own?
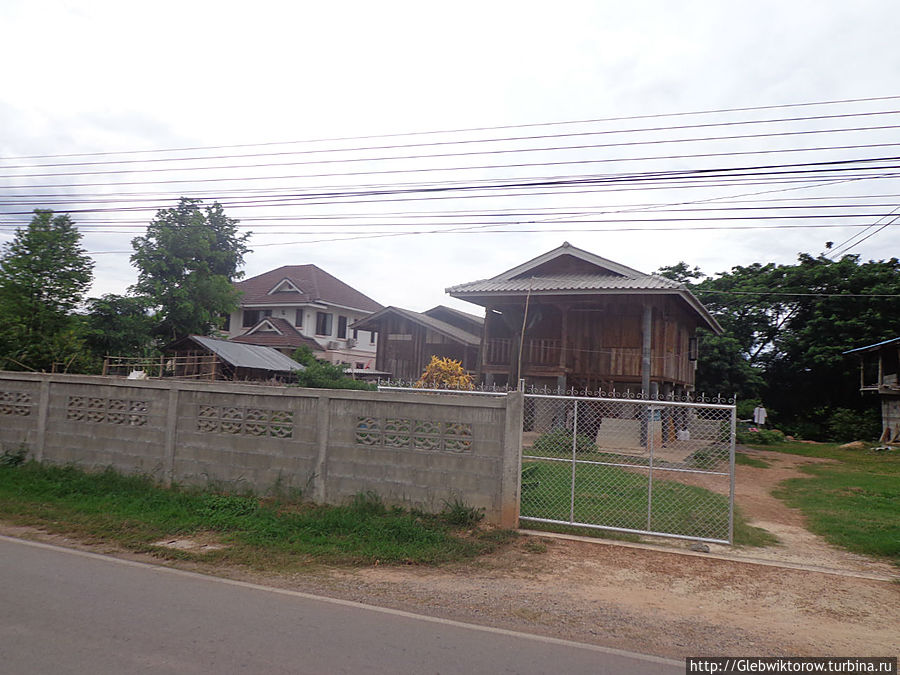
column 659, row 599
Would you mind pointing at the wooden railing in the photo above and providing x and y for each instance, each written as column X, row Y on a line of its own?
column 497, row 351
column 537, row 352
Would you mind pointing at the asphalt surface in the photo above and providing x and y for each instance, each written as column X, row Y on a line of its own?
column 67, row 611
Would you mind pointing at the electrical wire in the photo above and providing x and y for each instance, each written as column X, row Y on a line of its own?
column 782, row 106
column 470, row 153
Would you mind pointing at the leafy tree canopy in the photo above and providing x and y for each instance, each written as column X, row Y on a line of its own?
column 44, row 273
column 186, row 263
column 118, row 325
column 786, row 328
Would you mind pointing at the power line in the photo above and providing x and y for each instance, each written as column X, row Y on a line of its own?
column 620, row 176
column 799, row 295
column 381, row 235
column 489, row 140
column 269, row 165
column 473, row 129
column 868, row 236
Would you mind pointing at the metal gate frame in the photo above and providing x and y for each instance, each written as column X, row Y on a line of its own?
column 651, row 405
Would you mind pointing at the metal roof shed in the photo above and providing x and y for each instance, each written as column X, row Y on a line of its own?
column 210, row 358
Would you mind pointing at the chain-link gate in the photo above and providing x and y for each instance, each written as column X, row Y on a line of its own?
column 629, row 465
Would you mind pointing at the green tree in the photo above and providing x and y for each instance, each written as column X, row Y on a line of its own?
column 786, row 328
column 724, row 366
column 118, row 325
column 186, row 263
column 680, row 272
column 44, row 273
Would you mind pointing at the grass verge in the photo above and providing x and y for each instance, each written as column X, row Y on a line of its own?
column 618, row 497
column 853, row 502
column 134, row 512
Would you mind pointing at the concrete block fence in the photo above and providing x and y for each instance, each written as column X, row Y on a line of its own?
column 412, row 449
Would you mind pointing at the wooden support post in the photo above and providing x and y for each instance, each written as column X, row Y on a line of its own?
column 563, row 334
column 647, row 335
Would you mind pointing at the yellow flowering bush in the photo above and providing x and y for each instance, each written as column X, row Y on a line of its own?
column 445, row 374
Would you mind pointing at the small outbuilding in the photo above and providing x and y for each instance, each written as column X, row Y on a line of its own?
column 878, row 373
column 206, row 358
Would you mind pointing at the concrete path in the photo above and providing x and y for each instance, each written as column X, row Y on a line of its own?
column 66, row 611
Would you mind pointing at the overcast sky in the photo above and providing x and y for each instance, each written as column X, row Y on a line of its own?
column 118, row 77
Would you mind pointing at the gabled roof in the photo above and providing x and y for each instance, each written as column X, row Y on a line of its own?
column 608, row 266
column 282, row 334
column 582, row 273
column 464, row 317
column 285, row 286
column 874, row 347
column 243, row 355
column 313, row 284
column 442, row 327
column 270, row 325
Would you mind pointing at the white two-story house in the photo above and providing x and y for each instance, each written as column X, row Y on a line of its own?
column 299, row 305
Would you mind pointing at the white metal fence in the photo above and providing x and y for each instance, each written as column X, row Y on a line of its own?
column 624, row 463
column 661, row 468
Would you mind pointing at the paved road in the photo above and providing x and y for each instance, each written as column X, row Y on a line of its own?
column 64, row 611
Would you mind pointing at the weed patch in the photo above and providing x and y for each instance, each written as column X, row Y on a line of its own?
column 265, row 533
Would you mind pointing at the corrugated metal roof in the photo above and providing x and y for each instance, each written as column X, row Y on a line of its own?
column 579, row 272
column 874, row 346
column 248, row 356
column 566, row 282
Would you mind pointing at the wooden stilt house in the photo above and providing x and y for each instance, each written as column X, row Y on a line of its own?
column 569, row 318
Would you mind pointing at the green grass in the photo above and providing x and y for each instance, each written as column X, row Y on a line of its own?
column 134, row 512
column 853, row 502
column 747, row 460
column 617, row 497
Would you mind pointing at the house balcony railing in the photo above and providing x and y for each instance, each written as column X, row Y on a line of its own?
column 535, row 352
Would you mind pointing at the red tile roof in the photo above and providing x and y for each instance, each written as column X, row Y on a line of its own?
column 315, row 283
column 287, row 336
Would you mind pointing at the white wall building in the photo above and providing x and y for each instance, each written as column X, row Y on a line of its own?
column 299, row 305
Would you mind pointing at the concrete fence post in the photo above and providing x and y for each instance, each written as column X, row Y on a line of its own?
column 43, row 413
column 171, row 433
column 323, row 422
column 511, row 473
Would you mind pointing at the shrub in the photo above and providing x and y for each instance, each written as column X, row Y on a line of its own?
column 323, row 375
column 760, row 436
column 445, row 374
column 836, row 424
column 854, row 425
column 560, row 440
